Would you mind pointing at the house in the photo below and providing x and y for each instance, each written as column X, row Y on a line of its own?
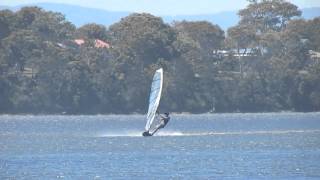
column 97, row 43
column 235, row 52
column 314, row 55
column 101, row 44
column 79, row 41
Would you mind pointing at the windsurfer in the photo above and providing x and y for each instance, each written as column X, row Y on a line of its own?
column 164, row 119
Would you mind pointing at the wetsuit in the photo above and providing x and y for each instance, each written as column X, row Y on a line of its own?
column 163, row 123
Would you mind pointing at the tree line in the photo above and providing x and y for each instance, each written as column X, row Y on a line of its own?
column 269, row 61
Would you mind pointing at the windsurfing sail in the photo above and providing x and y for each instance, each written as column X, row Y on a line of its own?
column 154, row 99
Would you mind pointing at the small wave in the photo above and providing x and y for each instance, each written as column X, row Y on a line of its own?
column 120, row 134
column 263, row 132
column 179, row 133
column 238, row 133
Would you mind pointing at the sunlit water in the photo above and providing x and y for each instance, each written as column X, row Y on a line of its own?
column 220, row 146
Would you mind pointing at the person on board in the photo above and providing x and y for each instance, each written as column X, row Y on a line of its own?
column 164, row 119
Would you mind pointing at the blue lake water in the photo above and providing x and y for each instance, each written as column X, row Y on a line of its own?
column 217, row 146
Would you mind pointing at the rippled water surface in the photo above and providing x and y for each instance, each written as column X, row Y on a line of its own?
column 219, row 146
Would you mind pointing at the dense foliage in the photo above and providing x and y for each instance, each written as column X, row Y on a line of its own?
column 267, row 62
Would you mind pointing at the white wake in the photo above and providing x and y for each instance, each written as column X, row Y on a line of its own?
column 179, row 133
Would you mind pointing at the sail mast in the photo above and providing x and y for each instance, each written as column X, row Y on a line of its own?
column 155, row 95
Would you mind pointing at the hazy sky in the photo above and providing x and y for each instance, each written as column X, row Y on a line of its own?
column 161, row 7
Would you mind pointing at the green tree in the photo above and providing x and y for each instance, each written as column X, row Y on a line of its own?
column 266, row 15
column 203, row 40
column 143, row 37
column 19, row 47
column 6, row 19
column 25, row 16
column 140, row 41
column 52, row 26
column 92, row 31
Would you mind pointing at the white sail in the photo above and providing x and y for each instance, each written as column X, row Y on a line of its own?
column 154, row 99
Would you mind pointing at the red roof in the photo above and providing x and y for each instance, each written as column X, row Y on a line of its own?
column 101, row 44
column 79, row 41
column 97, row 43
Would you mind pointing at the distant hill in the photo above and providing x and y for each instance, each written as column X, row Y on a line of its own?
column 310, row 13
column 82, row 15
column 223, row 19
